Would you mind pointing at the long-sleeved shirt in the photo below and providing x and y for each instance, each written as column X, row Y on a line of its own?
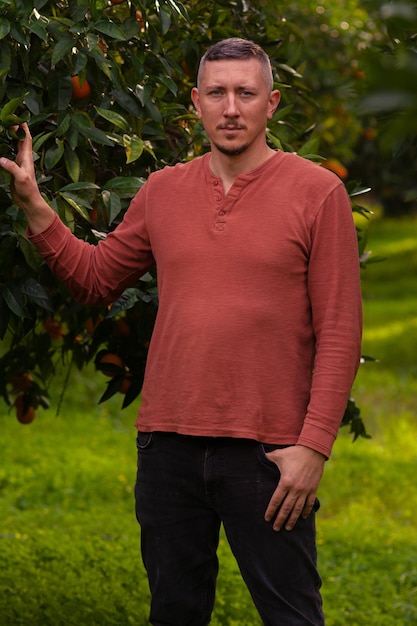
column 259, row 323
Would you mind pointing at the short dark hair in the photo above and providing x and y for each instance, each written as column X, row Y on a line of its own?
column 237, row 48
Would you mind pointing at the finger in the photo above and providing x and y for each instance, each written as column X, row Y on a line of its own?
column 288, row 515
column 25, row 145
column 275, row 502
column 8, row 165
column 308, row 507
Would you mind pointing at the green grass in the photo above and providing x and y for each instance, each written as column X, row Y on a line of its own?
column 69, row 541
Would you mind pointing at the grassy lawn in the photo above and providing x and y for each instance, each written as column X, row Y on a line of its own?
column 69, row 541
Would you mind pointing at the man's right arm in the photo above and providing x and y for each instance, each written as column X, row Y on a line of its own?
column 95, row 274
column 24, row 188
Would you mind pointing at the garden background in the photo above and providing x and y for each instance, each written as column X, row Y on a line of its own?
column 69, row 543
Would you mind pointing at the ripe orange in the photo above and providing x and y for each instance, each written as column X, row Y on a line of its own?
column 337, row 167
column 122, row 328
column 53, row 328
column 80, row 90
column 114, row 361
column 102, row 45
column 21, row 382
column 139, row 18
column 91, row 325
column 185, row 68
column 125, row 386
column 25, row 412
column 95, row 216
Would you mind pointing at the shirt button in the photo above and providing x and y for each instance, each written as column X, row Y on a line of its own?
column 222, row 212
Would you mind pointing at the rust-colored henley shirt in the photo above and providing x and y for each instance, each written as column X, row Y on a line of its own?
column 259, row 323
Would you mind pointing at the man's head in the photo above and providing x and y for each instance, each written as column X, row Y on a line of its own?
column 236, row 48
column 234, row 96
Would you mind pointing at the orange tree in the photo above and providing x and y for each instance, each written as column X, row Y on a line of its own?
column 105, row 89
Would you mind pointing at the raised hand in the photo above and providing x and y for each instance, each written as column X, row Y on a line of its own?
column 23, row 186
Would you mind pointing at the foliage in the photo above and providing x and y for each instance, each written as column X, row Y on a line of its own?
column 94, row 151
column 389, row 107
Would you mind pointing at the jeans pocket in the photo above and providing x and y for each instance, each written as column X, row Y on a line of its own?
column 263, row 449
column 143, row 440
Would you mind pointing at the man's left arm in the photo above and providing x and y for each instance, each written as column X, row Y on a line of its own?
column 335, row 296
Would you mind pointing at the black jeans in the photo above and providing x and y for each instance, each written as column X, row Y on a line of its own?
column 186, row 487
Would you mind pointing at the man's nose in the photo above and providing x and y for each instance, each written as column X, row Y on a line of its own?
column 231, row 108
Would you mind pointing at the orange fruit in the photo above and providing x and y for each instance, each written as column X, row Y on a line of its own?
column 114, row 361
column 185, row 68
column 139, row 18
column 125, row 386
column 91, row 325
column 21, row 382
column 25, row 412
column 337, row 167
column 80, row 89
column 53, row 328
column 96, row 217
column 122, row 328
column 102, row 45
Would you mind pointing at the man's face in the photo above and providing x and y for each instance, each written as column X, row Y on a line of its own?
column 234, row 103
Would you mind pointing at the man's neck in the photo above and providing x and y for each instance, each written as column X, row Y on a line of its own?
column 229, row 167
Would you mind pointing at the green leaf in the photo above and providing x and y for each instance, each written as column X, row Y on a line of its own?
column 54, row 154
column 39, row 140
column 4, row 318
column 112, row 204
column 128, row 185
column 114, row 118
column 179, row 8
column 30, row 253
column 76, row 186
column 37, row 294
column 15, row 301
column 16, row 32
column 133, row 148
column 165, row 17
column 80, row 62
column 110, row 29
column 80, row 205
column 168, row 82
column 96, row 135
column 4, row 28
column 59, row 90
column 63, row 46
column 63, row 124
column 38, row 28
column 127, row 102
column 72, row 163
column 113, row 387
column 143, row 92
column 126, row 301
column 276, row 143
column 8, row 110
column 309, row 148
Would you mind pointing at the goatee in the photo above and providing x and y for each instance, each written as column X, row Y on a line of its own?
column 231, row 151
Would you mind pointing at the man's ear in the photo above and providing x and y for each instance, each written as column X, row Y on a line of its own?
column 274, row 99
column 195, row 97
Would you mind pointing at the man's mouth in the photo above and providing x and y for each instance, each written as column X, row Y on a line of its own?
column 230, row 127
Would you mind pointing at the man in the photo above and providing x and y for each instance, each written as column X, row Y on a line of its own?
column 254, row 351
